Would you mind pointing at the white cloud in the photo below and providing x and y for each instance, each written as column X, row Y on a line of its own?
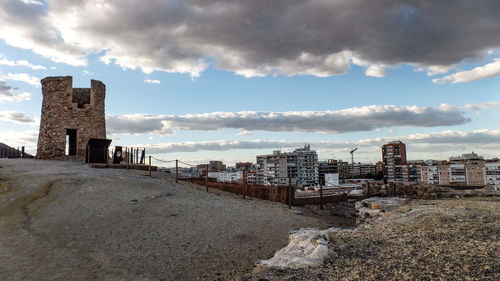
column 87, row 73
column 480, row 72
column 479, row 106
column 375, row 71
column 28, row 25
column 372, row 69
column 23, row 77
column 5, row 61
column 11, row 94
column 17, row 117
column 444, row 140
column 252, row 39
column 151, row 81
column 366, row 118
column 244, row 133
column 32, row 2
column 17, row 138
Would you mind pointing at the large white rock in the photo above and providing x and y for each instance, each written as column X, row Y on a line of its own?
column 306, row 247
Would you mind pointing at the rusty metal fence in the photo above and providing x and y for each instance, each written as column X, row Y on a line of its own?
column 283, row 194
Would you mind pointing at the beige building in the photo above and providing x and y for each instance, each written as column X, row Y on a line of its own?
column 465, row 170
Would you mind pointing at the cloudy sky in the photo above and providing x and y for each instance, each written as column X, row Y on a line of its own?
column 227, row 80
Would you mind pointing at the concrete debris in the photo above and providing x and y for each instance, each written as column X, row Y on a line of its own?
column 306, row 247
column 376, row 206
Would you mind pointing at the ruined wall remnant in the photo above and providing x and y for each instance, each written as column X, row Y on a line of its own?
column 70, row 116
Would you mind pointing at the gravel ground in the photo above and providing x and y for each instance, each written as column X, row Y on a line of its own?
column 453, row 239
column 66, row 221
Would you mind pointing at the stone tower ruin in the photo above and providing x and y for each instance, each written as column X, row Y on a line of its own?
column 70, row 117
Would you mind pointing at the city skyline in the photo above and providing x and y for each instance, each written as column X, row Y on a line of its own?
column 179, row 87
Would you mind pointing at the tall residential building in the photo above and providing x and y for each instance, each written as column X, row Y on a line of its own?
column 343, row 170
column 329, row 166
column 301, row 165
column 429, row 174
column 413, row 170
column 492, row 172
column 217, row 166
column 394, row 158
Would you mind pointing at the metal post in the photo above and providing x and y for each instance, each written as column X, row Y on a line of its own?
column 206, row 177
column 289, row 192
column 22, row 152
column 244, row 183
column 128, row 155
column 321, row 194
column 176, row 171
column 149, row 165
column 352, row 169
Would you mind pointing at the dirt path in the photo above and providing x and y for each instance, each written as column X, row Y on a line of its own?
column 65, row 221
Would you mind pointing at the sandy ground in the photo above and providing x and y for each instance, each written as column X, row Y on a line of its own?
column 66, row 221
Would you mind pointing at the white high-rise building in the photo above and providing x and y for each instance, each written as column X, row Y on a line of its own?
column 301, row 165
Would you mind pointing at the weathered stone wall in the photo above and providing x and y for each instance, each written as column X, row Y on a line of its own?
column 60, row 111
column 81, row 96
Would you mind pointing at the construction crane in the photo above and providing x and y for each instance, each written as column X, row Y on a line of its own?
column 352, row 161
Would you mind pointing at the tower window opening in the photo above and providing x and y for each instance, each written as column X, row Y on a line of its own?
column 70, row 142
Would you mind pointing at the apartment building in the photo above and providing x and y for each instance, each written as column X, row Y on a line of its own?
column 429, row 174
column 413, row 171
column 492, row 172
column 216, row 166
column 226, row 176
column 379, row 167
column 251, row 178
column 394, row 159
column 301, row 165
column 361, row 170
column 343, row 170
column 244, row 166
column 467, row 169
column 329, row 166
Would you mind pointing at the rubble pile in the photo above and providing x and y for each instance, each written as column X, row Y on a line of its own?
column 376, row 206
column 408, row 190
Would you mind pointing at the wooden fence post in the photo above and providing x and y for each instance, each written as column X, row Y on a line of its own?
column 320, row 194
column 244, row 183
column 127, row 153
column 149, row 165
column 206, row 177
column 176, row 171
